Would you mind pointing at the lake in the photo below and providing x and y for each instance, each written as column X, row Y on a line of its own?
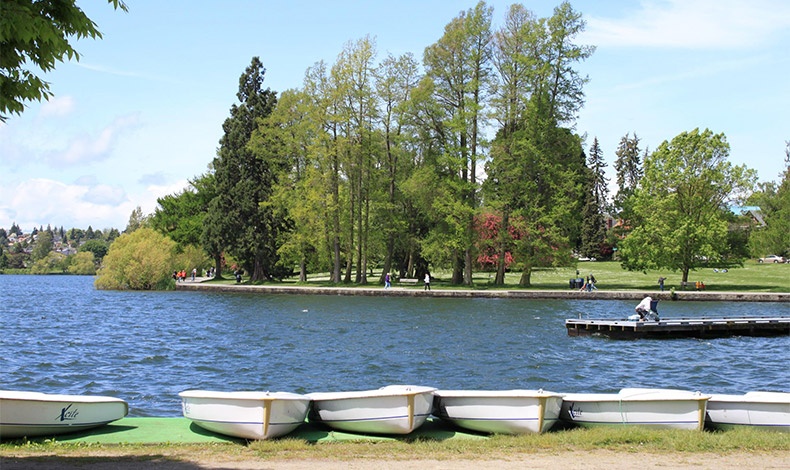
column 60, row 335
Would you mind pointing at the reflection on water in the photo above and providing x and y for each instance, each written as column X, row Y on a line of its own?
column 59, row 335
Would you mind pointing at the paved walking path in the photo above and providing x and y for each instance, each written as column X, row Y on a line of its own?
column 201, row 285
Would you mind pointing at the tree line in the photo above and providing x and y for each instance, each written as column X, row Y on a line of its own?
column 467, row 160
column 46, row 250
column 387, row 164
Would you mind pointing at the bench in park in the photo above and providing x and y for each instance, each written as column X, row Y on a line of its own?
column 407, row 280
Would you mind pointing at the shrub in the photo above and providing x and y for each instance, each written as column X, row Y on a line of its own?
column 141, row 260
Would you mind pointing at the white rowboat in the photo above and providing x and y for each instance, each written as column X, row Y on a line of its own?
column 249, row 415
column 499, row 411
column 30, row 414
column 655, row 408
column 764, row 410
column 395, row 409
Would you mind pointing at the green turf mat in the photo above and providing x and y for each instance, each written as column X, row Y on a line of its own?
column 183, row 431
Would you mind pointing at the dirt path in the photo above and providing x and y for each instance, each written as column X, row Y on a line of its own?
column 598, row 459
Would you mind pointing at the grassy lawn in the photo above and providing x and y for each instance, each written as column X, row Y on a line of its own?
column 752, row 277
column 615, row 439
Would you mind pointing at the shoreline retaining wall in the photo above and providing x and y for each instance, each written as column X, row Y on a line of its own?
column 492, row 294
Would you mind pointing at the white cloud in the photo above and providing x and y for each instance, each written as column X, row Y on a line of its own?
column 104, row 194
column 691, row 24
column 87, row 148
column 40, row 201
column 57, row 106
column 126, row 73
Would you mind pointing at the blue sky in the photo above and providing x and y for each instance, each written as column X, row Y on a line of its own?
column 142, row 111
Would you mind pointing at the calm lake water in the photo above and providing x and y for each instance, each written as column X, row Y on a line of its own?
column 60, row 335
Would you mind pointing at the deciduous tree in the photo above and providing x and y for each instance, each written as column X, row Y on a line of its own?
column 459, row 66
column 82, row 263
column 36, row 35
column 98, row 248
column 774, row 202
column 182, row 217
column 396, row 77
column 682, row 202
column 42, row 246
column 138, row 260
column 536, row 170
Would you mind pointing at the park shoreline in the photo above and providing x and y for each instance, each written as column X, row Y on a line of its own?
column 201, row 284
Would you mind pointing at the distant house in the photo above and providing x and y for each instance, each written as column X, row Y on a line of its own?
column 753, row 213
column 67, row 250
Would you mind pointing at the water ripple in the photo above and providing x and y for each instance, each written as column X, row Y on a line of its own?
column 145, row 347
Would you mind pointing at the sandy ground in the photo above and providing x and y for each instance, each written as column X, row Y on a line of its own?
column 598, row 459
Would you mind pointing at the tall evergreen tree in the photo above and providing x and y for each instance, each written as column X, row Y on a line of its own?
column 137, row 220
column 238, row 217
column 628, row 168
column 593, row 230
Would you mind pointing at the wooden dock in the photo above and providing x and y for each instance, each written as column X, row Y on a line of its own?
column 680, row 327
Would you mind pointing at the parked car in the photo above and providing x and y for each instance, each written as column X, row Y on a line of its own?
column 771, row 259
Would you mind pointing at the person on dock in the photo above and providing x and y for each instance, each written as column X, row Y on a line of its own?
column 644, row 307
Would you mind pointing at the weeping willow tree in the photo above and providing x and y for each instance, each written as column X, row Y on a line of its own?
column 140, row 260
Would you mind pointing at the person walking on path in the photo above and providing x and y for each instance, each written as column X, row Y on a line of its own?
column 387, row 281
column 427, row 281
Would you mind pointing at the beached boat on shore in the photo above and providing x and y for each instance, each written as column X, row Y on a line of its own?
column 499, row 411
column 31, row 414
column 394, row 409
column 249, row 415
column 763, row 410
column 655, row 408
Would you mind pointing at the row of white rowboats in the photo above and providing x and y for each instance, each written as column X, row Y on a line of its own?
column 401, row 409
